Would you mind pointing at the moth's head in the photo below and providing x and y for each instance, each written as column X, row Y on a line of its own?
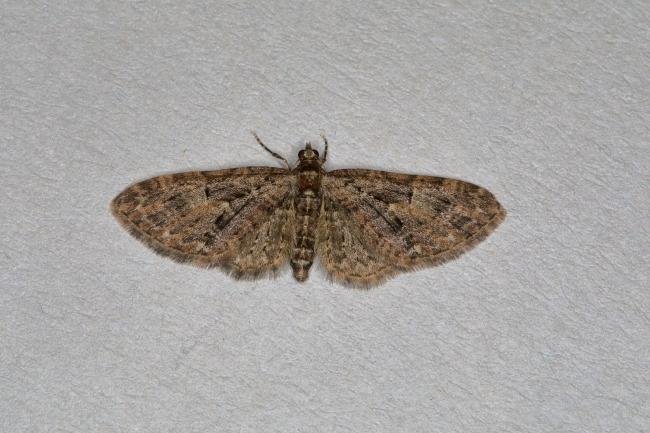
column 308, row 153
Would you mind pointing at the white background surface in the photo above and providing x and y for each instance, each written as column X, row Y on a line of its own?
column 542, row 328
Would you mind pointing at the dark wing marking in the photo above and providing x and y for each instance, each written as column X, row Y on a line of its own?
column 376, row 224
column 237, row 219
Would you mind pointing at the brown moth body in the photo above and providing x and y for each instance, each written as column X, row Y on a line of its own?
column 364, row 226
column 307, row 205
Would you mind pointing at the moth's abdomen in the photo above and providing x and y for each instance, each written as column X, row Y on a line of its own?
column 307, row 204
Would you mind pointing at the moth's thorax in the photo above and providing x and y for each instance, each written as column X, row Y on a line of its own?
column 309, row 179
column 307, row 205
column 309, row 172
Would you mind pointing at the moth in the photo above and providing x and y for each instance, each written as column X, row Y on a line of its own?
column 365, row 226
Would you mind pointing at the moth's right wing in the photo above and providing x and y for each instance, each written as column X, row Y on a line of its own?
column 376, row 224
column 237, row 219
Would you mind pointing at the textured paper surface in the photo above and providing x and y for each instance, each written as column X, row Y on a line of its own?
column 544, row 327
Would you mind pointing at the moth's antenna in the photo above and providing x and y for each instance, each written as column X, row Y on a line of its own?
column 275, row 155
column 324, row 158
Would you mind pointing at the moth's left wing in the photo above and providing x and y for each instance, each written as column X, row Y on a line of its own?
column 376, row 224
column 237, row 219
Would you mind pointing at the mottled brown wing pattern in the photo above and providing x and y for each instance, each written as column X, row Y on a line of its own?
column 238, row 219
column 343, row 249
column 376, row 224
